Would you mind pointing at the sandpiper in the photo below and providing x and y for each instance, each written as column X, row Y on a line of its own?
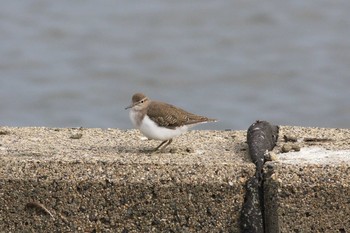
column 161, row 121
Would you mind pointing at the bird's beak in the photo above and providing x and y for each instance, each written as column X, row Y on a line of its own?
column 130, row 106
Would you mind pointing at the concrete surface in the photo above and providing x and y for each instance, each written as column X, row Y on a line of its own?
column 94, row 180
column 309, row 190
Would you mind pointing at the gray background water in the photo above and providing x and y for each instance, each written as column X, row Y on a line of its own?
column 77, row 63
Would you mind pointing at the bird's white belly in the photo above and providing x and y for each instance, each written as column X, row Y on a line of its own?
column 152, row 131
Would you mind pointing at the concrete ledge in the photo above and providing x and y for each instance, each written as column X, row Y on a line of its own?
column 93, row 180
column 309, row 190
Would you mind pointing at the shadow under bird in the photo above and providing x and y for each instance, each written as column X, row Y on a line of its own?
column 161, row 121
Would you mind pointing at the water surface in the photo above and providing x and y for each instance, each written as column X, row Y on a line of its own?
column 72, row 64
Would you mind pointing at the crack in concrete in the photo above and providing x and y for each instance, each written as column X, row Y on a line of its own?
column 261, row 138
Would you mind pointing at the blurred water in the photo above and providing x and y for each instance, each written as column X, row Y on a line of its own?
column 77, row 63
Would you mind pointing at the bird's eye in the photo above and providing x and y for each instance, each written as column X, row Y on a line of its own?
column 142, row 101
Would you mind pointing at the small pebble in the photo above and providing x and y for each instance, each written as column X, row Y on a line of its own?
column 286, row 148
column 290, row 138
column 76, row 136
column 296, row 147
column 290, row 147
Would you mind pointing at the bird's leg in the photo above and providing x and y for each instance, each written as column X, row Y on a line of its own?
column 161, row 144
column 167, row 143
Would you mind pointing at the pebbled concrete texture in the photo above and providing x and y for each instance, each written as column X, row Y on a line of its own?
column 109, row 180
column 309, row 190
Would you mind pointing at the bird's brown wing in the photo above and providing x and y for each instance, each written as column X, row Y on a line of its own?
column 169, row 116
